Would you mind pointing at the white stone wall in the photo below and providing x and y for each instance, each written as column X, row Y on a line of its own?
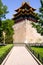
column 24, row 33
column 19, row 30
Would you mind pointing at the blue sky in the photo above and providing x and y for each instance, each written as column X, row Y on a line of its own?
column 14, row 4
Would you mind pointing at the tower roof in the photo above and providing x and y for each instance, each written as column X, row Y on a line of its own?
column 25, row 5
column 25, row 11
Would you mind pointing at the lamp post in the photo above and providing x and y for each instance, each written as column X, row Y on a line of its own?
column 4, row 36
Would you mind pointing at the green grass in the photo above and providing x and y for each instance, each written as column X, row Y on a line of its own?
column 4, row 50
column 38, row 50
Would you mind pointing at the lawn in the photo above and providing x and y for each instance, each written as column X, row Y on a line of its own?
column 4, row 50
column 38, row 51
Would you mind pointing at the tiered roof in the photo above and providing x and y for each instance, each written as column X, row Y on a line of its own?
column 25, row 11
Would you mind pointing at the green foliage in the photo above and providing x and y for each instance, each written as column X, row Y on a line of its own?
column 38, row 52
column 39, row 17
column 41, row 12
column 40, row 30
column 4, row 50
column 9, row 39
column 7, row 26
column 3, row 10
column 41, row 2
column 38, row 27
column 8, row 29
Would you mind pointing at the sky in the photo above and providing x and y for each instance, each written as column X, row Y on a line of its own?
column 15, row 4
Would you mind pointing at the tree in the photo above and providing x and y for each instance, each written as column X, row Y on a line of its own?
column 7, row 26
column 39, row 17
column 3, row 12
column 41, row 12
column 8, row 29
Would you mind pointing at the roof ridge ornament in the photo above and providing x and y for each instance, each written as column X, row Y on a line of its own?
column 25, row 2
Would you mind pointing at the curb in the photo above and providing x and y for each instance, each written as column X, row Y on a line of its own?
column 3, row 63
column 39, row 63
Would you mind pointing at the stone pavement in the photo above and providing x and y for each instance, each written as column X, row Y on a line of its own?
column 20, row 56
